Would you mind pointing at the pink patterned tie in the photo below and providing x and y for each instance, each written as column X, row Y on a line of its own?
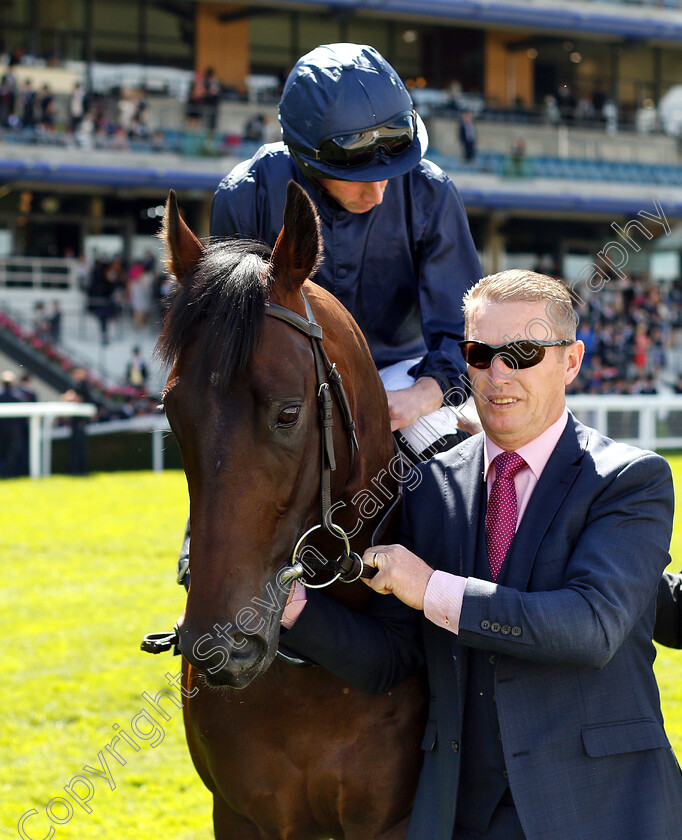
column 500, row 520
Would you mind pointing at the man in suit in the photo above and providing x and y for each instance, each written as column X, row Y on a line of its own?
column 530, row 557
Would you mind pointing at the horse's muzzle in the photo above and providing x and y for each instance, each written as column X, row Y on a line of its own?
column 227, row 659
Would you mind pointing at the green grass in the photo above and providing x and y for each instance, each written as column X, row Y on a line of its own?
column 87, row 571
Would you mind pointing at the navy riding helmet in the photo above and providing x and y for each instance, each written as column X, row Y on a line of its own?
column 346, row 114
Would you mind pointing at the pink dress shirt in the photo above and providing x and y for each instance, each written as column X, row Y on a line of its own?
column 444, row 592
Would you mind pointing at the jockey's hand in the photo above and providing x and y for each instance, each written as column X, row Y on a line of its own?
column 400, row 572
column 407, row 405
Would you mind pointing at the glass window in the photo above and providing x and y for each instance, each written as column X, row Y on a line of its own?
column 271, row 43
column 15, row 14
column 314, row 30
column 374, row 33
column 117, row 19
column 170, row 34
column 671, row 68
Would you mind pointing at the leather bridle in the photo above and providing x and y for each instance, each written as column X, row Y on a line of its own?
column 348, row 567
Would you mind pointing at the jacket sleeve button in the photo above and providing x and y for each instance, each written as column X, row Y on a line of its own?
column 516, row 631
column 495, row 626
column 485, row 624
column 505, row 630
column 455, row 746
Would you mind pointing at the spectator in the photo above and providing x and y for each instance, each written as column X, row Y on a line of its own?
column 212, row 93
column 83, row 271
column 41, row 324
column 26, row 393
column 517, row 159
column 24, row 388
column 140, row 279
column 136, row 370
column 632, row 322
column 101, row 297
column 28, row 104
column 8, row 98
column 584, row 111
column 646, row 385
column 552, row 110
column 598, row 102
column 566, row 103
column 77, row 107
column 13, row 439
column 467, row 136
column 126, row 110
column 195, row 102
column 85, row 134
column 641, row 350
column 255, row 129
column 47, row 109
column 271, row 130
column 610, row 114
column 55, row 323
column 78, row 445
column 17, row 56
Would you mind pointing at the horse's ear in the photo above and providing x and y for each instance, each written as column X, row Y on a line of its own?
column 298, row 250
column 183, row 249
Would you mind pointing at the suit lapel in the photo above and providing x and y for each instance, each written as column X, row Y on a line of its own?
column 550, row 493
column 462, row 490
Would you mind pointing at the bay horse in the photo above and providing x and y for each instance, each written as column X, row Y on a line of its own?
column 289, row 753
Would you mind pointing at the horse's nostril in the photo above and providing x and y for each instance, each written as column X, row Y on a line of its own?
column 248, row 650
column 243, row 664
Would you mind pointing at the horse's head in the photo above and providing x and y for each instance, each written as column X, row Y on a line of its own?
column 241, row 399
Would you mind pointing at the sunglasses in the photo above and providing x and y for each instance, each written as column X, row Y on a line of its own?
column 359, row 147
column 516, row 354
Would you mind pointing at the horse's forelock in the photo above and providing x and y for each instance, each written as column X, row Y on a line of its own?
column 222, row 306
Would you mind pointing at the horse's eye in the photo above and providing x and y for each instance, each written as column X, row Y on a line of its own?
column 289, row 416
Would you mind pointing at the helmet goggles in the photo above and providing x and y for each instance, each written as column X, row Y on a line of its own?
column 358, row 148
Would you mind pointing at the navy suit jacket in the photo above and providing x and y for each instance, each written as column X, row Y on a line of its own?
column 578, row 706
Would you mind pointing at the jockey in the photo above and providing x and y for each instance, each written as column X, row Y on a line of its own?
column 397, row 248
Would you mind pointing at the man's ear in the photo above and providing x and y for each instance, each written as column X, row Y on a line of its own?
column 574, row 359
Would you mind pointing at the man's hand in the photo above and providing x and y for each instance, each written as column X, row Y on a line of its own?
column 400, row 572
column 407, row 405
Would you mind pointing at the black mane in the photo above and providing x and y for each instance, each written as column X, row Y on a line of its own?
column 222, row 305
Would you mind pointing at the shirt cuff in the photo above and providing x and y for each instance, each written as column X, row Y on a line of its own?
column 295, row 607
column 443, row 600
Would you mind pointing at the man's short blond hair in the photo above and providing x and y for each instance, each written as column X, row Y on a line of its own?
column 519, row 285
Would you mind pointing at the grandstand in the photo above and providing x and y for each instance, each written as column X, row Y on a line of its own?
column 574, row 105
